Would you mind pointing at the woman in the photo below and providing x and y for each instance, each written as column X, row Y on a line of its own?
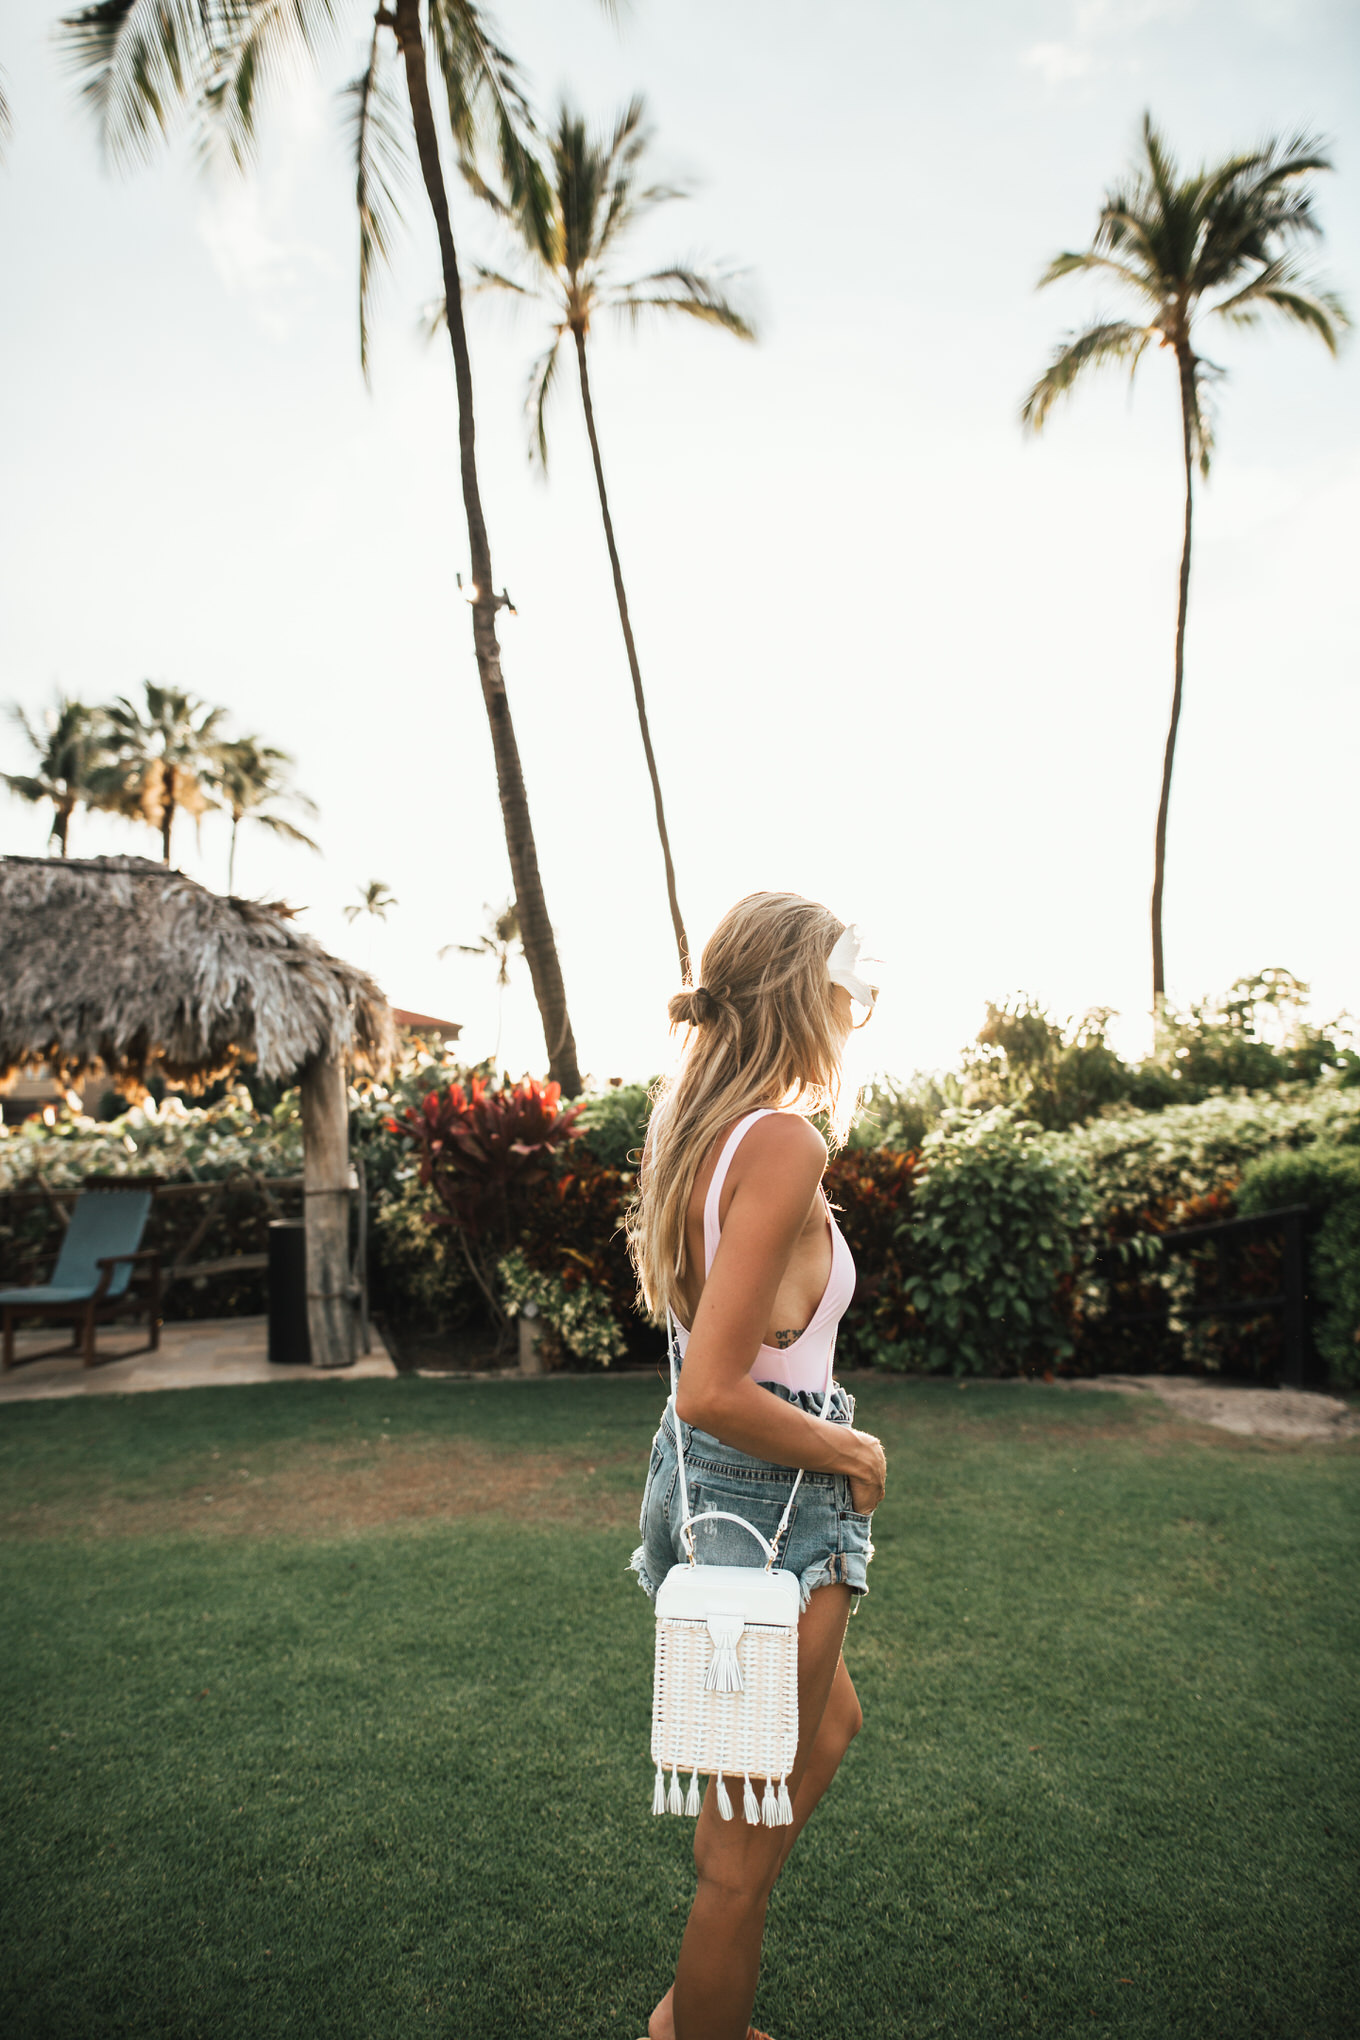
column 733, row 1235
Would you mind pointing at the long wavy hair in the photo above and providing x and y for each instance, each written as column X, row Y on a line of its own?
column 762, row 1030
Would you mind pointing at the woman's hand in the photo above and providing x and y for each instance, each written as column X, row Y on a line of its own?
column 869, row 1477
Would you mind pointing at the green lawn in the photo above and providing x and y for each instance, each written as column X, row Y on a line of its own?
column 392, row 1782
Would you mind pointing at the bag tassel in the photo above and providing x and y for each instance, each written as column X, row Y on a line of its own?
column 659, row 1792
column 785, row 1804
column 674, row 1802
column 724, row 1799
column 692, row 1801
column 724, row 1672
column 769, row 1809
column 749, row 1806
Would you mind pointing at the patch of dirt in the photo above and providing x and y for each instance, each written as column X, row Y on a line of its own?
column 328, row 1491
column 1290, row 1413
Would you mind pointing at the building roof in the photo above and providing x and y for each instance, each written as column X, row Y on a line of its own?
column 127, row 965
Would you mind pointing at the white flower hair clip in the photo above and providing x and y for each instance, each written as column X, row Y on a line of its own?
column 841, row 967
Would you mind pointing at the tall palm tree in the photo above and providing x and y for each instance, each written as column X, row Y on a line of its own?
column 163, row 758
column 251, row 777
column 502, row 933
column 70, row 754
column 1219, row 243
column 595, row 197
column 144, row 60
column 374, row 898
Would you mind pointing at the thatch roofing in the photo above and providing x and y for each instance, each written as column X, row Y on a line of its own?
column 120, row 963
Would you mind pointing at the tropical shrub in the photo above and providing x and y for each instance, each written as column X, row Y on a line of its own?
column 1154, row 1170
column 1327, row 1180
column 420, row 1272
column 614, row 1124
column 998, row 1216
column 481, row 1150
column 871, row 1191
column 176, row 1142
column 578, row 1317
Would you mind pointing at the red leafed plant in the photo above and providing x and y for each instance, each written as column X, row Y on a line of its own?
column 480, row 1150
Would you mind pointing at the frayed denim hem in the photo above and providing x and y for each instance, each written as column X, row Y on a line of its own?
column 638, row 1564
column 838, row 1569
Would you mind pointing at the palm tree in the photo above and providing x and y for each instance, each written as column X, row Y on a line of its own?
column 70, row 754
column 594, row 199
column 499, row 939
column 250, row 776
column 1221, row 243
column 374, row 898
column 163, row 761
column 142, row 62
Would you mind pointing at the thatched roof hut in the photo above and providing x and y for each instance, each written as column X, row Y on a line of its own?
column 118, row 964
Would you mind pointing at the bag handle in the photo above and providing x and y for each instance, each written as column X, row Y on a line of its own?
column 726, row 1516
column 688, row 1520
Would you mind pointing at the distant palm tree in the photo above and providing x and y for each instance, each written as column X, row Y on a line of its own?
column 1219, row 243
column 143, row 61
column 250, row 776
column 571, row 244
column 70, row 752
column 500, row 938
column 374, row 898
column 162, row 758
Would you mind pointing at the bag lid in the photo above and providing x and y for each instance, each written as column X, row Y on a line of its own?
column 694, row 1592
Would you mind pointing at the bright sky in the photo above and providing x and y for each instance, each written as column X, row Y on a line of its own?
column 896, row 656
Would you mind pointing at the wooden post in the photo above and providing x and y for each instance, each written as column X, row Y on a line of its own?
column 325, row 1175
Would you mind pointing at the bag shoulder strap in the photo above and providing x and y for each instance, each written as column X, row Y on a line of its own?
column 687, row 1520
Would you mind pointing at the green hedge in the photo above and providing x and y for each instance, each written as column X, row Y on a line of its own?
column 1327, row 1180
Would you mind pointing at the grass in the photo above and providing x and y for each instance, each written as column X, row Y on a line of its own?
column 392, row 1782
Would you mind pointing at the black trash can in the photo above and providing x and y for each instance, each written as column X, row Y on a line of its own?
column 290, row 1343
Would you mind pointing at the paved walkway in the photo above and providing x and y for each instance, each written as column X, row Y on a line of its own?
column 208, row 1353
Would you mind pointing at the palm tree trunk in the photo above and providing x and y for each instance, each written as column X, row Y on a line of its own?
column 540, row 947
column 1186, row 363
column 61, row 822
column 167, row 810
column 681, row 939
column 231, row 854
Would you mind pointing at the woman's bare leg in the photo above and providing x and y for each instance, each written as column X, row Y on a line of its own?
column 715, row 1978
column 840, row 1723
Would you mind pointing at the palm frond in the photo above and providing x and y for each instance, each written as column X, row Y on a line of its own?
column 283, row 828
column 138, row 62
column 6, row 127
column 26, row 786
column 1282, row 287
column 1116, row 340
column 484, row 279
column 682, row 289
column 380, row 169
column 484, row 90
column 141, row 63
column 542, row 377
column 259, row 41
column 1072, row 264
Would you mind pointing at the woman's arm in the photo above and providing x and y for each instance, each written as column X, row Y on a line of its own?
column 775, row 1176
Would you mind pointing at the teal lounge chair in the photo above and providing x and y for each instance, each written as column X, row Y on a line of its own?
column 92, row 1281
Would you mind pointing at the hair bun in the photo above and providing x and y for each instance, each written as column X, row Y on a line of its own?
column 696, row 1006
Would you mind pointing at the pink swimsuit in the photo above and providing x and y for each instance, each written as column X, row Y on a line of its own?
column 806, row 1362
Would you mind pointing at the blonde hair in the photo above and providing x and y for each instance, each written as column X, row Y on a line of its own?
column 763, row 1031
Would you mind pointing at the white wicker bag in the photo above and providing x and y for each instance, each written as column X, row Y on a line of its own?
column 725, row 1691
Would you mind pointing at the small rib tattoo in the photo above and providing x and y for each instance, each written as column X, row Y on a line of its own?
column 784, row 1339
